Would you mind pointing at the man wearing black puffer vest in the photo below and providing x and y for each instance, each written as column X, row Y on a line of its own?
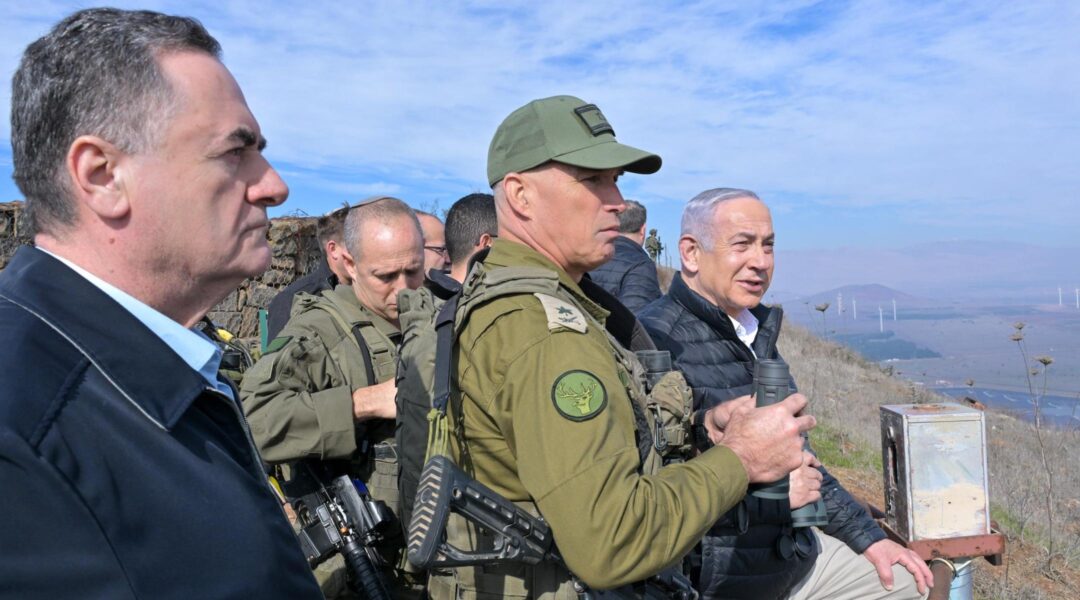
column 630, row 275
column 713, row 323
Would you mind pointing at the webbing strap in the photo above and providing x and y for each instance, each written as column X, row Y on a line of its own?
column 438, row 427
column 369, row 367
column 365, row 353
column 444, row 350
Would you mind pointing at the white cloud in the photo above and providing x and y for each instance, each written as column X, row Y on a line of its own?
column 934, row 113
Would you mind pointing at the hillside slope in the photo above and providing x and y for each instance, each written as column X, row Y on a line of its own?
column 1036, row 506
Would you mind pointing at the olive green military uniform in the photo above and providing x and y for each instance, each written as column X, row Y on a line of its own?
column 543, row 415
column 653, row 245
column 298, row 399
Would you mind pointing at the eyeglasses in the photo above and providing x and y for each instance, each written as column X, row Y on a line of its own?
column 440, row 250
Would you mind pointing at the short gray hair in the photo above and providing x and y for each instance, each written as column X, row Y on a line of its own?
column 383, row 210
column 697, row 216
column 95, row 73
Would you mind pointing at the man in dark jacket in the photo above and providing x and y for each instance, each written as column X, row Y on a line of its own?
column 126, row 467
column 630, row 275
column 713, row 323
column 330, row 271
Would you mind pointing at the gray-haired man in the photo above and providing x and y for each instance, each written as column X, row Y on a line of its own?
column 713, row 323
column 125, row 464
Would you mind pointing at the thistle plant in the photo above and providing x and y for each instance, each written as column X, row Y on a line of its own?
column 1033, row 368
column 821, row 308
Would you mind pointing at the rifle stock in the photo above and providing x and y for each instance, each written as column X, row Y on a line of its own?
column 520, row 537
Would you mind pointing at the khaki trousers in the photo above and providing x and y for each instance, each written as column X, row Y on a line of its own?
column 840, row 574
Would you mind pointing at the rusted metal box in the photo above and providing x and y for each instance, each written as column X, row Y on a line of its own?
column 934, row 456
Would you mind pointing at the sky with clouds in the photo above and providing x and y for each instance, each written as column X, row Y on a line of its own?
column 862, row 124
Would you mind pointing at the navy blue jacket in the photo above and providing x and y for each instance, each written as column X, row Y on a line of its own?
column 739, row 559
column 630, row 275
column 122, row 474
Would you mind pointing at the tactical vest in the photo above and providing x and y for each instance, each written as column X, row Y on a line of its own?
column 376, row 462
column 418, row 372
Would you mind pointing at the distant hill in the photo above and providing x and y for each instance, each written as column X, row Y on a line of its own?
column 869, row 295
column 980, row 272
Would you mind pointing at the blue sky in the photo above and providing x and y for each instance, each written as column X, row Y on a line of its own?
column 863, row 124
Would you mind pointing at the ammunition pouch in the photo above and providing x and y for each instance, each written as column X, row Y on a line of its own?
column 671, row 404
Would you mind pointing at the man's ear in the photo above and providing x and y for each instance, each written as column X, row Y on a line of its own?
column 98, row 177
column 485, row 241
column 518, row 191
column 334, row 250
column 690, row 253
column 348, row 261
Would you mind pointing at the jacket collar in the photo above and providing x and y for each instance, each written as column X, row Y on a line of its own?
column 137, row 362
column 628, row 244
column 719, row 320
column 441, row 285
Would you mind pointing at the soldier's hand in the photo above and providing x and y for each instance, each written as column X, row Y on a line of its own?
column 375, row 401
column 717, row 417
column 768, row 440
column 805, row 482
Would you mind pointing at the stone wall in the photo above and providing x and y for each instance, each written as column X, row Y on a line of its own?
column 13, row 231
column 296, row 253
column 292, row 239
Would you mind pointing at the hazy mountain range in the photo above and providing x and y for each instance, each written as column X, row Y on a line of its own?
column 980, row 272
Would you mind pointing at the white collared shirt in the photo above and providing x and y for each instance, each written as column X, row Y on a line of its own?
column 746, row 327
column 193, row 347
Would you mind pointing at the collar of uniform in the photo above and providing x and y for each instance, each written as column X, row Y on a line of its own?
column 505, row 253
column 344, row 298
column 441, row 284
column 143, row 367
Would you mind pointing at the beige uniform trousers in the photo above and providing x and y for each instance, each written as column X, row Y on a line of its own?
column 840, row 574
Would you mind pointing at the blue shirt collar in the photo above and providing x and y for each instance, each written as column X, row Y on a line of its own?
column 196, row 350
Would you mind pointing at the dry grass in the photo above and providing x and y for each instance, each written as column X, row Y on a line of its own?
column 845, row 391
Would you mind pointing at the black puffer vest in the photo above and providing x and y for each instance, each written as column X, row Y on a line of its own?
column 738, row 560
column 630, row 275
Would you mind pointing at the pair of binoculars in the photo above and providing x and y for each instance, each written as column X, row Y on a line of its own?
column 772, row 383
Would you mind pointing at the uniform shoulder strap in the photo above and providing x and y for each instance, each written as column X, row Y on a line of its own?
column 486, row 284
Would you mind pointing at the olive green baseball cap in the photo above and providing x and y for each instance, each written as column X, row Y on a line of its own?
column 563, row 129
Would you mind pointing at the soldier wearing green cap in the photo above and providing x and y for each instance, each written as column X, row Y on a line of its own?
column 548, row 401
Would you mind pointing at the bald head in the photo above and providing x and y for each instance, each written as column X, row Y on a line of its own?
column 386, row 254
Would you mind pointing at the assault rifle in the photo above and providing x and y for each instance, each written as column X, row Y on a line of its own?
column 341, row 517
column 519, row 536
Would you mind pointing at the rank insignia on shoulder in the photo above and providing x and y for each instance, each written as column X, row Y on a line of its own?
column 277, row 344
column 561, row 313
column 578, row 395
